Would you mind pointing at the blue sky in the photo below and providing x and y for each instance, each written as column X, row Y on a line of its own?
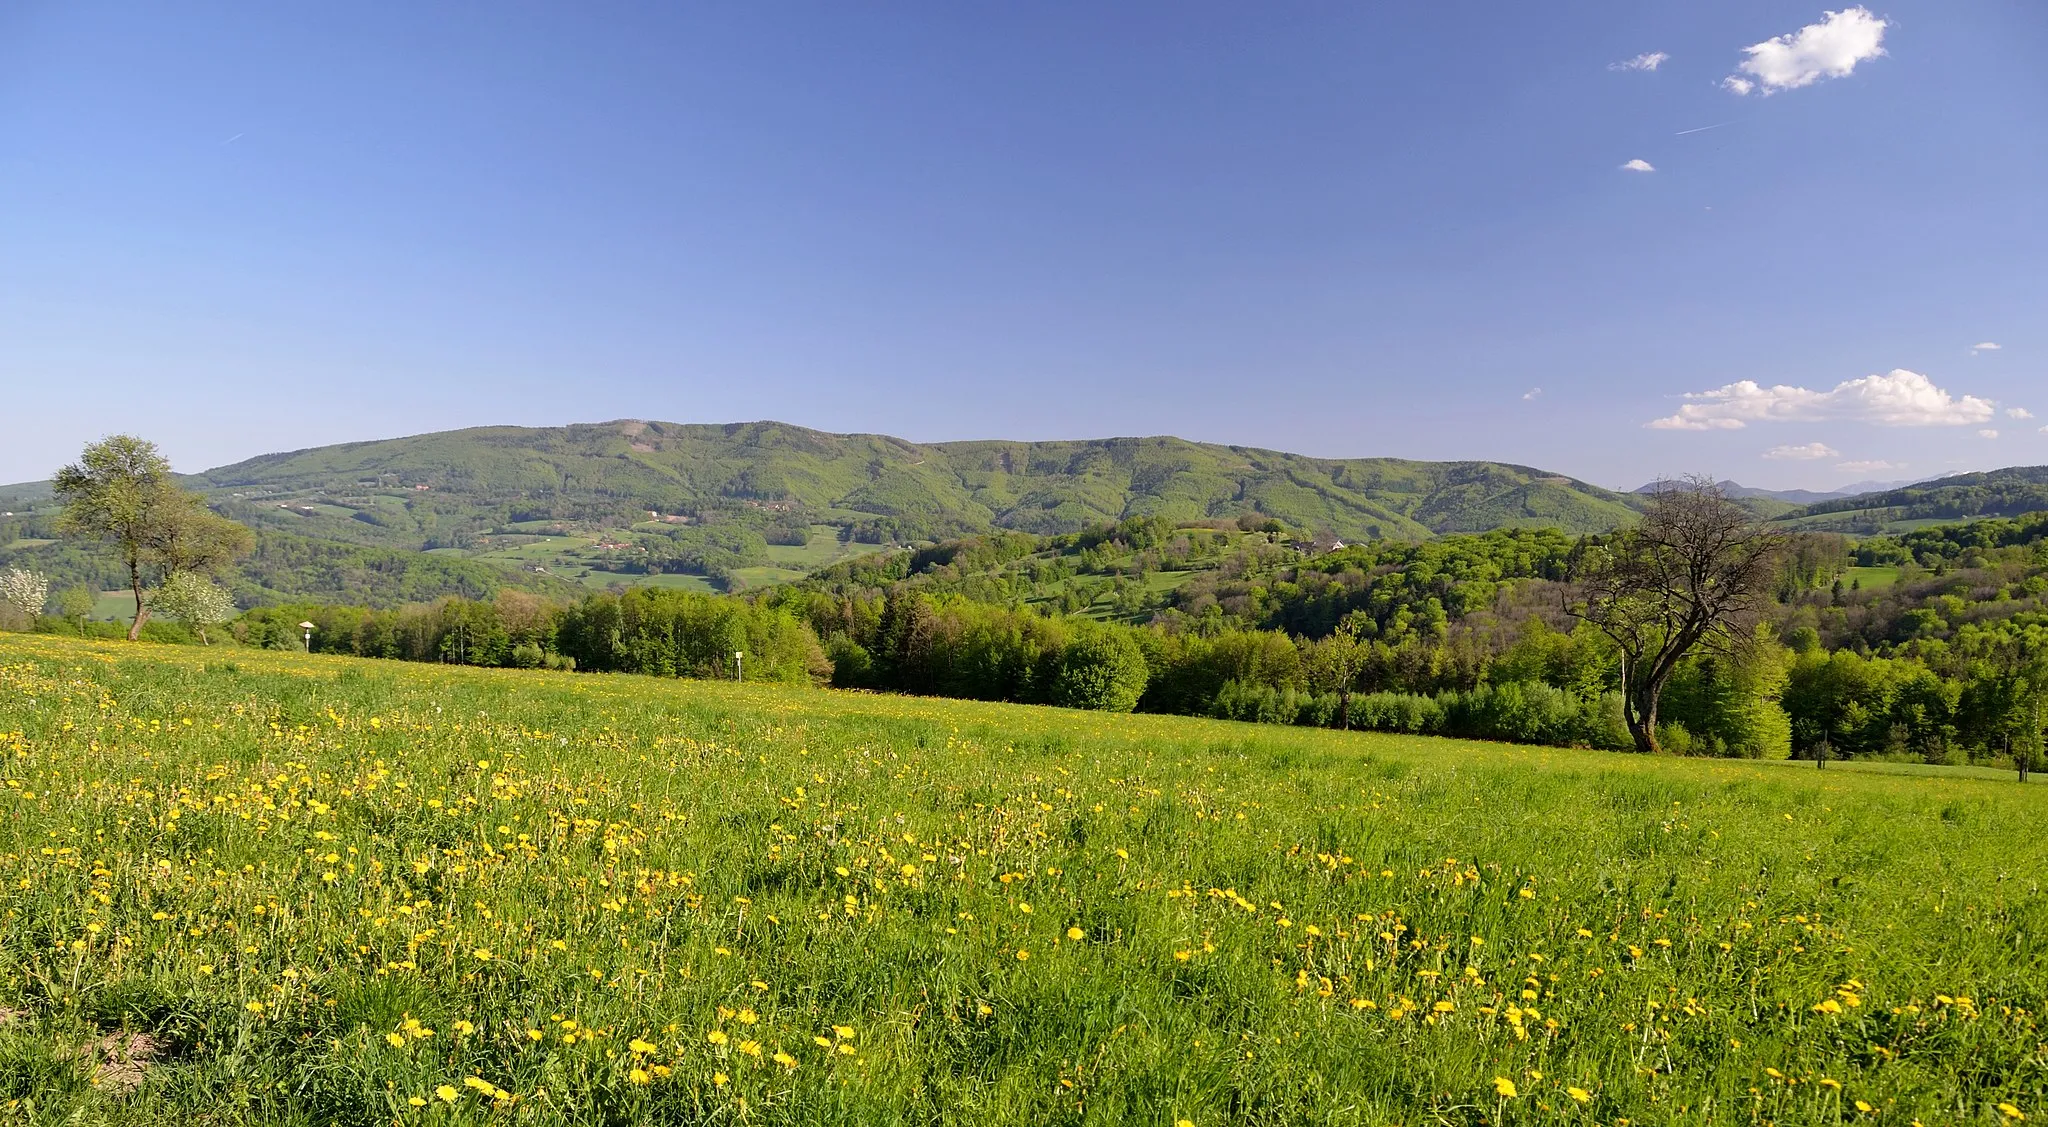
column 1335, row 229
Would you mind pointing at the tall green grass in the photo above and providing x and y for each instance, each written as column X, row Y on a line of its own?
column 336, row 891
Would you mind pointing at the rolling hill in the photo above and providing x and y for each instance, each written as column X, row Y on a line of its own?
column 406, row 492
column 2009, row 492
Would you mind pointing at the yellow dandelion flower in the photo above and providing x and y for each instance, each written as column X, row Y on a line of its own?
column 1504, row 1087
column 1579, row 1094
column 640, row 1076
column 446, row 1093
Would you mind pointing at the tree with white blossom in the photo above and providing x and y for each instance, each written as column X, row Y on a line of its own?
column 191, row 599
column 25, row 591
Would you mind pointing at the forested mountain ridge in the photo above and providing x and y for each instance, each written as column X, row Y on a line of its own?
column 887, row 487
column 2010, row 492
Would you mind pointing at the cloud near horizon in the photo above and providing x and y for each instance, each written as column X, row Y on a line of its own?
column 1811, row 452
column 1870, row 466
column 1648, row 60
column 2018, row 413
column 1639, row 165
column 1987, row 432
column 1984, row 346
column 1828, row 49
column 1899, row 398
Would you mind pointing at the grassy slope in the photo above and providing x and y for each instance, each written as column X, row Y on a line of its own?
column 1041, row 486
column 1274, row 925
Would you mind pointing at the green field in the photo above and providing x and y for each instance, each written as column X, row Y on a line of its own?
column 1870, row 578
column 325, row 890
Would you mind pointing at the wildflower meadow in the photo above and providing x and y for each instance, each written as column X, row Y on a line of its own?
column 271, row 887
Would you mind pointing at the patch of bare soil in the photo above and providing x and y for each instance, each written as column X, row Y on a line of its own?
column 120, row 1060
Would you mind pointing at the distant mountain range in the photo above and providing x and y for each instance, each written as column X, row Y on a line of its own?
column 1739, row 492
column 413, row 492
column 446, row 490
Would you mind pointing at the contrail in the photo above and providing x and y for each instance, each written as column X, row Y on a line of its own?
column 232, row 139
column 1701, row 129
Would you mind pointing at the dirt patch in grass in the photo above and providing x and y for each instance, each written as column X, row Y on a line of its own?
column 121, row 1059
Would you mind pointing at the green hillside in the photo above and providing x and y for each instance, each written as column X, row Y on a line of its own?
column 285, row 568
column 432, row 490
column 2011, row 492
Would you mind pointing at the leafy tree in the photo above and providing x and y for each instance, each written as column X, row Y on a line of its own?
column 120, row 490
column 193, row 600
column 1334, row 665
column 75, row 605
column 1693, row 574
column 1103, row 670
column 25, row 591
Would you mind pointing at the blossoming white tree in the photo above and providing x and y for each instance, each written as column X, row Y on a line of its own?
column 188, row 597
column 25, row 591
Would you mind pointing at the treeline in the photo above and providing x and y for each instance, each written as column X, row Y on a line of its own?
column 1463, row 636
column 1543, row 686
column 643, row 630
column 1538, row 685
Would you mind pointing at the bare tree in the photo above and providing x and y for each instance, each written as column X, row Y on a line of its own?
column 1692, row 574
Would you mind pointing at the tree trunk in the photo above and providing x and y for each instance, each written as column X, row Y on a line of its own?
column 141, row 609
column 1639, row 711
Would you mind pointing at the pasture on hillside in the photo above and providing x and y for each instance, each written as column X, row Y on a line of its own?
column 242, row 887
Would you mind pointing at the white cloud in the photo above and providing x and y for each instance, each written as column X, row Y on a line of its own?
column 2018, row 413
column 1898, row 398
column 1639, row 165
column 1532, row 393
column 1811, row 452
column 1984, row 346
column 1648, row 60
column 1987, row 432
column 1828, row 49
column 1870, row 466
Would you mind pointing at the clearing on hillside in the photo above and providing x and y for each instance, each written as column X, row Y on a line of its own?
column 328, row 890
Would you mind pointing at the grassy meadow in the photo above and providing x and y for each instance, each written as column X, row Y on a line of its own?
column 242, row 886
